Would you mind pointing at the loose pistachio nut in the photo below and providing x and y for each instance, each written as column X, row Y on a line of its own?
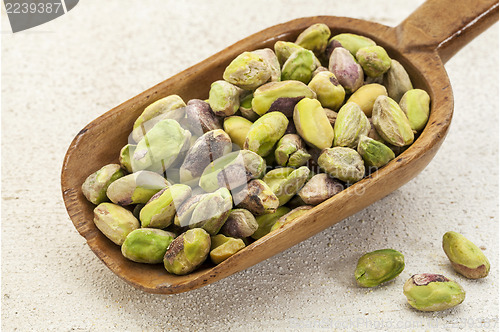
column 147, row 245
column 136, row 188
column 432, row 292
column 374, row 153
column 240, row 224
column 188, row 251
column 267, row 221
column 95, row 186
column 350, row 124
column 328, row 90
column 125, row 157
column 391, row 123
column 246, row 107
column 299, row 66
column 256, row 197
column 247, row 71
column 237, row 128
column 291, row 151
column 272, row 62
column 342, row 163
column 379, row 266
column 352, row 42
column 366, row 95
column 346, row 69
column 374, row 60
column 160, row 210
column 224, row 247
column 314, row 38
column 319, row 188
column 280, row 96
column 397, row 81
column 312, row 123
column 224, row 98
column 265, row 132
column 200, row 118
column 114, row 221
column 415, row 104
column 294, row 214
column 284, row 50
column 465, row 257
column 285, row 182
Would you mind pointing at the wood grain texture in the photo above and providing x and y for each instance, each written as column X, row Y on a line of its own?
column 416, row 43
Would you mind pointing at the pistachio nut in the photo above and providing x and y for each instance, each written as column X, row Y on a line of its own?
column 331, row 115
column 284, row 50
column 379, row 266
column 320, row 188
column 346, row 69
column 312, row 123
column 265, row 132
column 374, row 60
column 95, row 186
column 147, row 245
column 465, row 257
column 136, row 188
column 200, row 118
column 187, row 251
column 224, row 247
column 432, row 292
column 291, row 151
column 299, row 66
column 294, row 214
column 209, row 147
column 256, row 197
column 397, row 81
column 328, row 90
column 246, row 107
column 342, row 163
column 125, row 156
column 352, row 42
column 350, row 124
column 272, row 62
column 171, row 107
column 415, row 103
column 366, row 95
column 374, row 153
column 267, row 221
column 314, row 38
column 391, row 123
column 237, row 128
column 240, row 224
column 160, row 210
column 114, row 221
column 285, row 182
column 280, row 96
column 248, row 71
column 224, row 98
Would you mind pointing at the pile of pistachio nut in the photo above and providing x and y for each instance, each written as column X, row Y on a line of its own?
column 277, row 135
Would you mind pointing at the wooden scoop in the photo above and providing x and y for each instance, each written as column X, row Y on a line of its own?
column 422, row 43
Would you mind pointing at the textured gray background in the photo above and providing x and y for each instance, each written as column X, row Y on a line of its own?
column 59, row 76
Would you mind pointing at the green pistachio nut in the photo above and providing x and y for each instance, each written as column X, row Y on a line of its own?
column 312, row 123
column 366, row 95
column 465, row 257
column 350, row 125
column 342, row 163
column 267, row 221
column 379, row 266
column 125, row 157
column 224, row 98
column 285, row 182
column 374, row 60
column 114, row 221
column 346, row 69
column 432, row 292
column 200, row 118
column 299, row 66
column 319, row 188
column 265, row 132
column 391, row 123
column 248, row 71
column 352, row 42
column 256, row 197
column 328, row 90
column 147, row 245
column 136, row 188
column 240, row 224
column 314, row 38
column 280, row 96
column 160, row 210
column 284, row 50
column 237, row 128
column 292, row 215
column 374, row 153
column 246, row 109
column 187, row 251
column 224, row 247
column 272, row 62
column 95, row 186
column 397, row 81
column 291, row 151
column 415, row 104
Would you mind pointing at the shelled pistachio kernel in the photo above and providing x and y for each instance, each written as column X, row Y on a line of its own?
column 374, row 60
column 350, row 125
column 299, row 66
column 267, row 221
column 240, row 224
column 95, row 186
column 329, row 91
column 291, row 151
column 265, row 132
column 285, row 182
column 379, row 266
column 224, row 98
column 374, row 153
column 346, row 69
column 224, row 247
column 136, row 188
column 312, row 123
column 147, row 245
column 237, row 128
column 391, row 123
column 366, row 95
column 352, row 42
column 292, row 215
column 247, row 71
column 342, row 163
column 314, row 38
column 397, row 81
column 114, row 221
column 187, row 251
column 415, row 103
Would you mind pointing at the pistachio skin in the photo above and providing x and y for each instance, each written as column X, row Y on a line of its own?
column 187, row 252
column 237, row 128
column 319, row 188
column 374, row 60
column 374, row 153
column 391, row 123
column 267, row 221
column 299, row 66
column 114, row 221
column 415, row 104
column 247, row 71
column 240, row 224
column 465, row 257
column 224, row 247
column 147, row 245
column 95, row 186
column 366, row 95
column 346, row 69
column 379, row 266
column 265, row 132
column 351, row 123
column 312, row 124
column 432, row 292
column 136, row 188
column 328, row 90
column 224, row 98
column 397, row 81
column 342, row 163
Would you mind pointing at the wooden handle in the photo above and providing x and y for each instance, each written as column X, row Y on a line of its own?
column 445, row 25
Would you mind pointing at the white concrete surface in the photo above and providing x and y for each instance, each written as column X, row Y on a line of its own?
column 59, row 76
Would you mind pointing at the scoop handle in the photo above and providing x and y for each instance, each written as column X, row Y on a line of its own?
column 446, row 25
